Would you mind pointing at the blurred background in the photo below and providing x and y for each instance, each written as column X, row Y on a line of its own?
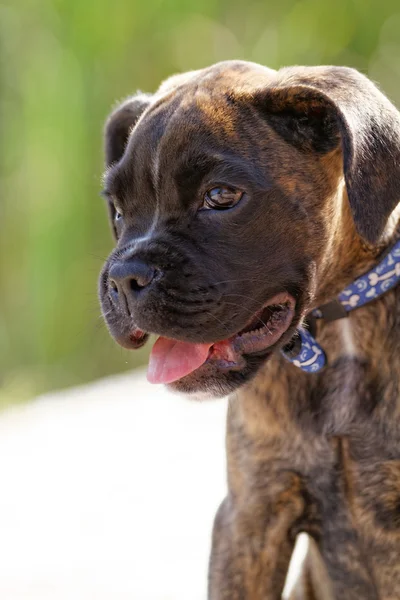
column 63, row 64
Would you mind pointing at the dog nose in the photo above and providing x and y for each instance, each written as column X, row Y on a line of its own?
column 130, row 278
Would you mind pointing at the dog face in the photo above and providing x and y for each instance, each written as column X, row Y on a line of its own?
column 222, row 189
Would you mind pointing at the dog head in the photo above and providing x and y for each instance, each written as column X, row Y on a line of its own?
column 226, row 192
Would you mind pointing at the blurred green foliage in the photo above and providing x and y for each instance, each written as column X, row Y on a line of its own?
column 63, row 64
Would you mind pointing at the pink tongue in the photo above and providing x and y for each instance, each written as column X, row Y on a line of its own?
column 171, row 360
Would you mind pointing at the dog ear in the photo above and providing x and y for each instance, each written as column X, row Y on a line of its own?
column 317, row 107
column 119, row 125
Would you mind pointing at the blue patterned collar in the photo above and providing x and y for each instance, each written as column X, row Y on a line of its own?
column 304, row 351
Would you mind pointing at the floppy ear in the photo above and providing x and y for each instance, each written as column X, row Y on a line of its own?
column 119, row 125
column 317, row 107
column 116, row 133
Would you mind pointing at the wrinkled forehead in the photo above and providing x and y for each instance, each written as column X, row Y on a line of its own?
column 191, row 131
column 192, row 108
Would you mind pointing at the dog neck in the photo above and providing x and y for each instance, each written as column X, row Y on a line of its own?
column 346, row 255
column 304, row 351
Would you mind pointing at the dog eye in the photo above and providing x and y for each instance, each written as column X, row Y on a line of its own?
column 221, row 197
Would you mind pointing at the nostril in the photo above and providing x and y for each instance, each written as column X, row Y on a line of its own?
column 137, row 285
column 127, row 279
column 141, row 280
column 113, row 286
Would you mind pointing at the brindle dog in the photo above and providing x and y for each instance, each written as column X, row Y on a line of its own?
column 241, row 198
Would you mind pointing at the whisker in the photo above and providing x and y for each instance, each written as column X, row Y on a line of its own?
column 235, row 281
column 240, row 296
column 249, row 311
column 219, row 321
column 97, row 256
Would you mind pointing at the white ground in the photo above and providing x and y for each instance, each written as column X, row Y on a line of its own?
column 108, row 492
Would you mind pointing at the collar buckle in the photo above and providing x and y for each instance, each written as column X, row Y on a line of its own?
column 331, row 311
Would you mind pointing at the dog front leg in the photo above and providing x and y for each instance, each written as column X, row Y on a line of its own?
column 252, row 546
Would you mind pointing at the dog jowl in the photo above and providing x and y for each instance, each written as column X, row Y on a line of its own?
column 226, row 189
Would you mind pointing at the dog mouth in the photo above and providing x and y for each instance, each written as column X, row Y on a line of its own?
column 172, row 360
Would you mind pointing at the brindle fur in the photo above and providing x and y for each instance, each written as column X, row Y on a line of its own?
column 307, row 453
